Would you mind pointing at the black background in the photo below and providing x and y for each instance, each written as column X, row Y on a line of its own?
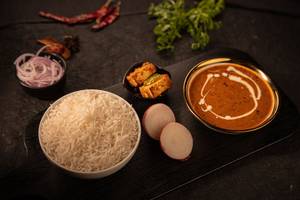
column 267, row 30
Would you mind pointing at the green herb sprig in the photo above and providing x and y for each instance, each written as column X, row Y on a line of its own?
column 173, row 19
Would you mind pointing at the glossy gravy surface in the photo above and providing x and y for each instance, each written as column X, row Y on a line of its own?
column 230, row 96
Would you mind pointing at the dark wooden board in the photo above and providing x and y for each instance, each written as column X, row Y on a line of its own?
column 150, row 173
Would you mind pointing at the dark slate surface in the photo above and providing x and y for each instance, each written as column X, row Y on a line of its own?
column 270, row 33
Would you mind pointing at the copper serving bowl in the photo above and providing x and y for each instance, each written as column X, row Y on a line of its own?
column 223, row 60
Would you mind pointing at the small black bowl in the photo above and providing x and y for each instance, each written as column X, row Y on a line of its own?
column 52, row 91
column 135, row 90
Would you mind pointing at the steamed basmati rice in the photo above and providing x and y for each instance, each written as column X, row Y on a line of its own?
column 89, row 131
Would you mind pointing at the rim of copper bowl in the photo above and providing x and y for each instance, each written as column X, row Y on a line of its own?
column 247, row 64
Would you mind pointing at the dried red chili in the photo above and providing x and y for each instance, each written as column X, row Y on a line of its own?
column 55, row 46
column 103, row 10
column 108, row 19
column 65, row 49
column 82, row 18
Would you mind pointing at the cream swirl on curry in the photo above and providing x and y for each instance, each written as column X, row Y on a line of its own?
column 231, row 96
column 255, row 97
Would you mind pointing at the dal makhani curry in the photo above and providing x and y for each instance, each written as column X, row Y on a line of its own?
column 231, row 97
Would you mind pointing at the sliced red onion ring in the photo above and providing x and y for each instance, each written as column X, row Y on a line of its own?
column 38, row 71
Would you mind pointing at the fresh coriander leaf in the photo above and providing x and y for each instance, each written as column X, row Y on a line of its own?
column 172, row 19
column 200, row 21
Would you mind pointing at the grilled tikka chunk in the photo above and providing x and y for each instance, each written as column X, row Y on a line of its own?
column 155, row 86
column 140, row 74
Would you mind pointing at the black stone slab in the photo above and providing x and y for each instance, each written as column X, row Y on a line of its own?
column 150, row 173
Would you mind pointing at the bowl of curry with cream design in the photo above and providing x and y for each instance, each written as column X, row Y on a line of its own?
column 230, row 96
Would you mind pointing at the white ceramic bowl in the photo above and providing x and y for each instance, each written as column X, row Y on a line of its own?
column 99, row 173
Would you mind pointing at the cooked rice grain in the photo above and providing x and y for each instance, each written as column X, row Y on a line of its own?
column 89, row 131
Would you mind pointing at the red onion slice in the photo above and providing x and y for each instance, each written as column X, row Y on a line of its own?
column 38, row 71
